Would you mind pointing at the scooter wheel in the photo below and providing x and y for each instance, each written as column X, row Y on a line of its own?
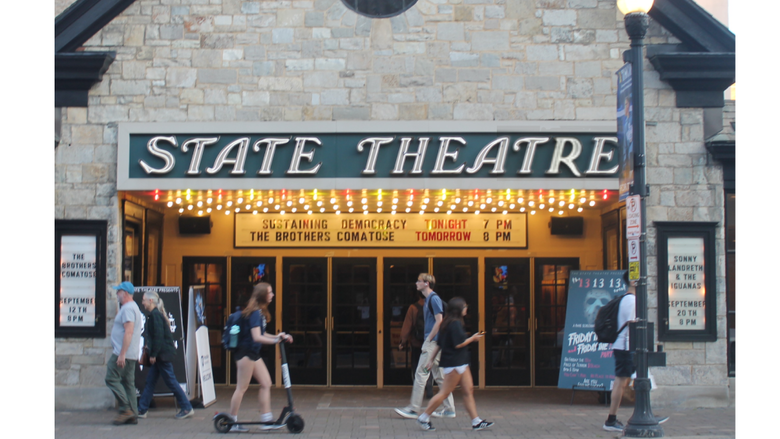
column 221, row 423
column 295, row 423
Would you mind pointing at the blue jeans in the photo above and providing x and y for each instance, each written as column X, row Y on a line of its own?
column 165, row 369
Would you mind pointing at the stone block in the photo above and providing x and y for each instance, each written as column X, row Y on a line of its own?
column 280, row 84
column 250, row 8
column 218, row 41
column 415, row 81
column 329, row 64
column 710, row 375
column 263, row 68
column 68, row 348
column 595, row 113
column 290, row 17
column 694, row 198
column 255, row 98
column 680, row 214
column 450, row 31
column 462, row 92
column 254, row 53
column 552, row 17
column 351, row 113
column 217, row 76
column 192, row 96
column 489, row 41
column 317, row 80
column 597, row 19
column 513, row 83
column 428, row 94
column 66, row 377
column 689, row 397
column 474, row 75
column 282, row 35
column 464, row 13
column 542, row 52
column 132, row 87
column 408, row 48
column 543, row 83
column 171, row 32
column 335, row 97
column 295, row 65
column 673, row 375
column 578, row 52
column 445, row 75
column 583, row 4
column 685, row 357
column 412, row 112
column 564, row 110
column 473, row 112
column 86, row 134
column 663, row 132
column 578, row 88
column 384, row 112
column 462, row 59
column 683, row 176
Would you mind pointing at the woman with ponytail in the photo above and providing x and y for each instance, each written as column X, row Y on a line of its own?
column 454, row 365
column 247, row 356
column 159, row 341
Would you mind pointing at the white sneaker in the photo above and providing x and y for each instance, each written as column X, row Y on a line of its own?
column 407, row 413
column 443, row 414
column 238, row 429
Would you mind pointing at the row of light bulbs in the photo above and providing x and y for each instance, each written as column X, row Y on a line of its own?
column 446, row 201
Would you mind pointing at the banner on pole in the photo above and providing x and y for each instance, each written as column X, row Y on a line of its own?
column 625, row 130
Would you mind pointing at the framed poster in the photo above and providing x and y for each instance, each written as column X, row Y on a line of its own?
column 587, row 364
column 686, row 281
column 80, row 278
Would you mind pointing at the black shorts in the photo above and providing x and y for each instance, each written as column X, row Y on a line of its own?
column 624, row 363
column 241, row 353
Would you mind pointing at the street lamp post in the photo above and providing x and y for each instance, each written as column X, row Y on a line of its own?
column 642, row 423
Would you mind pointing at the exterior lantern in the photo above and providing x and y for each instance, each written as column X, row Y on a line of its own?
column 631, row 6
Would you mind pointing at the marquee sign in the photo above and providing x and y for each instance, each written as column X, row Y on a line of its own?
column 325, row 156
column 355, row 230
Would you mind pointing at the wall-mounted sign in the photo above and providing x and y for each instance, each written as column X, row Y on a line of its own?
column 325, row 156
column 685, row 270
column 80, row 278
column 381, row 230
column 78, row 273
column 686, row 281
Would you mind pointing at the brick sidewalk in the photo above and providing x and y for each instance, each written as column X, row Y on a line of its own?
column 367, row 413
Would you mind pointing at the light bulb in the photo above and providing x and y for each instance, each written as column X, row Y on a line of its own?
column 470, row 203
column 579, row 209
column 489, row 200
column 305, row 207
column 482, row 206
column 259, row 203
column 592, row 203
column 219, row 207
column 571, row 206
column 271, row 200
column 301, row 200
column 379, row 203
column 265, row 209
column 229, row 203
column 541, row 206
column 181, row 209
column 170, row 203
column 332, row 201
column 522, row 209
column 351, row 209
column 629, row 6
column 289, row 203
column 349, row 203
column 408, row 209
column 425, row 200
column 248, row 206
column 364, row 200
column 178, row 201
column 322, row 209
column 240, row 200
column 531, row 203
column 561, row 203
column 457, row 200
column 319, row 203
column 208, row 200
column 189, row 207
column 379, row 210
column 512, row 206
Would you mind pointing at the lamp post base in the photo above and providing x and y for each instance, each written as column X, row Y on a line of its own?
column 643, row 423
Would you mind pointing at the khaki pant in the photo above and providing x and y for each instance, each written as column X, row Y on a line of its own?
column 421, row 377
column 121, row 381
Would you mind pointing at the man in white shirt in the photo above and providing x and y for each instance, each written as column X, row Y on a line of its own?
column 624, row 359
column 126, row 343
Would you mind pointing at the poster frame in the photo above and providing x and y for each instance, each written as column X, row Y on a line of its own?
column 98, row 229
column 679, row 229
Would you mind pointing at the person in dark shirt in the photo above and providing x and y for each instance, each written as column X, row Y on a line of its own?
column 159, row 341
column 454, row 364
column 247, row 356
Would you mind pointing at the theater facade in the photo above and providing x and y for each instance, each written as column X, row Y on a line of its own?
column 337, row 150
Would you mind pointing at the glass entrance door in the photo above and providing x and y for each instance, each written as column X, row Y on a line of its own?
column 551, row 292
column 211, row 273
column 400, row 291
column 508, row 338
column 305, row 315
column 353, row 321
column 459, row 277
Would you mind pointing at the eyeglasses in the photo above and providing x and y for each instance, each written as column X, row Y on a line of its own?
column 424, row 281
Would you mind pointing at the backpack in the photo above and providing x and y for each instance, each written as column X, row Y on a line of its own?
column 443, row 305
column 418, row 330
column 606, row 324
column 231, row 343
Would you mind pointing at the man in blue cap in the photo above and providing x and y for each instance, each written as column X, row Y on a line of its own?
column 125, row 341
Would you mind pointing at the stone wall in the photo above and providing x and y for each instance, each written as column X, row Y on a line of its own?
column 234, row 60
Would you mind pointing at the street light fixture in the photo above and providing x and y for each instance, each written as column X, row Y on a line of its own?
column 642, row 423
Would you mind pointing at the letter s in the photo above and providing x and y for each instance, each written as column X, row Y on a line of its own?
column 161, row 153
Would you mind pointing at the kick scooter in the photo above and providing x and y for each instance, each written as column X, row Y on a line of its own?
column 223, row 421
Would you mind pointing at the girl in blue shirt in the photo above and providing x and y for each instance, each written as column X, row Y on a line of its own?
column 247, row 356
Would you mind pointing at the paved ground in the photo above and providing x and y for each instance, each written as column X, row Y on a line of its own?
column 367, row 413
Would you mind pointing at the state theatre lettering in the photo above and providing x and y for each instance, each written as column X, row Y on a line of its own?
column 361, row 156
column 375, row 230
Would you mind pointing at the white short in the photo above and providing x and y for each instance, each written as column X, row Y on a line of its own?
column 459, row 369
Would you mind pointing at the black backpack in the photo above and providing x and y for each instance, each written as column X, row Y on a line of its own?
column 606, row 324
column 443, row 305
column 231, row 343
column 418, row 330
